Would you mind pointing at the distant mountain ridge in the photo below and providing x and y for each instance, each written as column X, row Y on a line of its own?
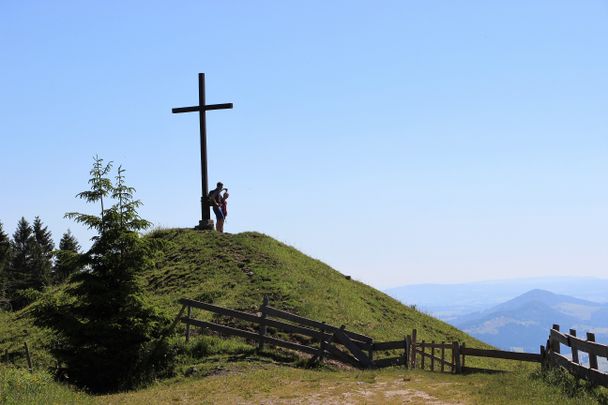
column 450, row 301
column 523, row 322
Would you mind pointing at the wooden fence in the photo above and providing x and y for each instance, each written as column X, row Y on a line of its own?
column 574, row 365
column 321, row 340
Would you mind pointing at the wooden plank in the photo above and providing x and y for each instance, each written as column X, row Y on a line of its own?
column 315, row 324
column 573, row 346
column 442, row 357
column 176, row 320
column 557, row 338
column 249, row 335
column 221, row 310
column 436, row 358
column 432, row 356
column 423, row 348
column 456, row 353
column 188, row 325
column 501, row 354
column 588, row 346
column 406, row 348
column 340, row 355
column 286, row 327
column 221, row 328
column 408, row 351
column 343, row 338
column 413, row 349
column 462, row 348
column 589, row 374
column 592, row 356
column 388, row 362
column 256, row 319
column 436, row 346
column 392, row 345
column 262, row 327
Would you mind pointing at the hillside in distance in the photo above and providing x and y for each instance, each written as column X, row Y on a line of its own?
column 451, row 301
column 523, row 322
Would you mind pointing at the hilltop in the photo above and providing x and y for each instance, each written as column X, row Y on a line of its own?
column 237, row 270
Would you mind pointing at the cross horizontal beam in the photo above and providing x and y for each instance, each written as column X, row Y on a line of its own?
column 225, row 106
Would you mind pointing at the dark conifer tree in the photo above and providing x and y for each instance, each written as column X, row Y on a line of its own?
column 19, row 271
column 67, row 260
column 106, row 327
column 42, row 256
column 5, row 256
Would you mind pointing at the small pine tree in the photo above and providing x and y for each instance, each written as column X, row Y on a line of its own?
column 42, row 256
column 106, row 327
column 67, row 260
column 5, row 256
column 19, row 270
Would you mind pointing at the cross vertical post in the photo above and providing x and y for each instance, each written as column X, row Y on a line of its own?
column 205, row 214
column 206, row 222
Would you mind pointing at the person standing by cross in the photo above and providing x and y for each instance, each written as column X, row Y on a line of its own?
column 217, row 202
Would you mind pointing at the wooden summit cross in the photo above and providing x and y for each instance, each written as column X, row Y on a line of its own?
column 206, row 222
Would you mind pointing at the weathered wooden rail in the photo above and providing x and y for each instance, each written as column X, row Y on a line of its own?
column 321, row 340
column 593, row 349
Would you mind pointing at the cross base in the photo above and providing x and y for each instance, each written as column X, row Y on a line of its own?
column 205, row 225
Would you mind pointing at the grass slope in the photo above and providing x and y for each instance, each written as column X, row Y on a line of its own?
column 236, row 271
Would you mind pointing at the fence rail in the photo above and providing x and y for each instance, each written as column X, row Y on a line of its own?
column 326, row 341
column 577, row 345
column 339, row 343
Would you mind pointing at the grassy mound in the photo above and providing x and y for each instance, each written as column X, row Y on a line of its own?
column 236, row 271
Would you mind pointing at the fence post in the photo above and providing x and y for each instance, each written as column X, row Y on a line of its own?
column 423, row 355
column 592, row 357
column 555, row 343
column 406, row 351
column 543, row 357
column 442, row 356
column 189, row 314
column 29, row 358
column 370, row 351
column 462, row 346
column 262, row 329
column 413, row 349
column 573, row 347
column 433, row 355
column 456, row 356
column 6, row 356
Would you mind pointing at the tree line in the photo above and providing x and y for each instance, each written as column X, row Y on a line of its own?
column 29, row 262
column 106, row 334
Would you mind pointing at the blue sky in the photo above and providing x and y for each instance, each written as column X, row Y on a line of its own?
column 399, row 141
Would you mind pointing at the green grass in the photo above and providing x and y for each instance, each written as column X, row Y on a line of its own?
column 19, row 387
column 270, row 383
column 237, row 271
